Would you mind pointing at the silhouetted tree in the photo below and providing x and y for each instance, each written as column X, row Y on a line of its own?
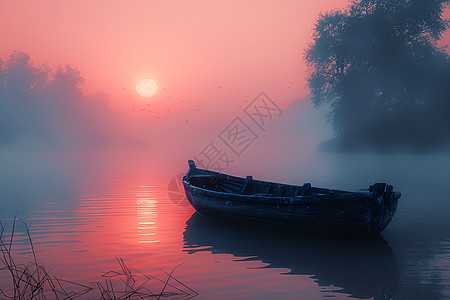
column 42, row 108
column 378, row 65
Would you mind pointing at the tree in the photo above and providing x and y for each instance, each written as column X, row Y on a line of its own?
column 379, row 67
column 41, row 108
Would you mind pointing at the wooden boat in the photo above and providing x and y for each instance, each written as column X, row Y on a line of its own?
column 304, row 208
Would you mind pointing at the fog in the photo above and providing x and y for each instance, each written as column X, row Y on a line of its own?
column 97, row 150
column 381, row 68
column 48, row 125
column 98, row 163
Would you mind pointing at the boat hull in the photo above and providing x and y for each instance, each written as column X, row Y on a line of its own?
column 348, row 213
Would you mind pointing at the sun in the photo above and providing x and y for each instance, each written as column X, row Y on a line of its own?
column 146, row 87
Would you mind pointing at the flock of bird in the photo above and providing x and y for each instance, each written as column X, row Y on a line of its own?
column 148, row 108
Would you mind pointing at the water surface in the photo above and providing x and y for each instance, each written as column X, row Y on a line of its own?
column 81, row 222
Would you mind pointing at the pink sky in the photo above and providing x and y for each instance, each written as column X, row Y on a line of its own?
column 190, row 48
column 208, row 57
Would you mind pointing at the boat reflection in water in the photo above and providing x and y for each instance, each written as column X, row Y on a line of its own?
column 363, row 269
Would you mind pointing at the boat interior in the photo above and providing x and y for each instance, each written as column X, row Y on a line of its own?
column 248, row 186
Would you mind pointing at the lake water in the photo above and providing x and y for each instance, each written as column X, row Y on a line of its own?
column 82, row 222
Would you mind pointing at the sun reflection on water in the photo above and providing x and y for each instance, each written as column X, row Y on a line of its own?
column 147, row 213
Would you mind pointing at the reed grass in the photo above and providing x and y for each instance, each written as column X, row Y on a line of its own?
column 32, row 280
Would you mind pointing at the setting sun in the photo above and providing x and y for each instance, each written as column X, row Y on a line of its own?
column 146, row 87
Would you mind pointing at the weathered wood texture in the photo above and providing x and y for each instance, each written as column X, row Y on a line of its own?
column 305, row 208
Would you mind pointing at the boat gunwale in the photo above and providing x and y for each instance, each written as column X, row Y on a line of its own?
column 274, row 199
column 333, row 195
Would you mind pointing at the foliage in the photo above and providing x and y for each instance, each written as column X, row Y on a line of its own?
column 43, row 108
column 380, row 68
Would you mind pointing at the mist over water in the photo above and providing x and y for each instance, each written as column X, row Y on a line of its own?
column 84, row 208
column 87, row 205
column 96, row 176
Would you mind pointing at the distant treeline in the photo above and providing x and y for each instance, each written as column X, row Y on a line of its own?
column 377, row 64
column 41, row 108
